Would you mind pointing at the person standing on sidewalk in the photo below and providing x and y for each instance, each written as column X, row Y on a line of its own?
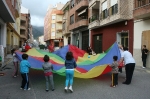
column 114, row 67
column 144, row 55
column 47, row 66
column 129, row 65
column 70, row 64
column 15, row 62
column 24, row 70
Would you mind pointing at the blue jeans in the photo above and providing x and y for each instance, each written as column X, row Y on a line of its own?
column 69, row 77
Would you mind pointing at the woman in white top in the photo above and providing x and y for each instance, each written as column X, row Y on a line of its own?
column 129, row 65
column 15, row 61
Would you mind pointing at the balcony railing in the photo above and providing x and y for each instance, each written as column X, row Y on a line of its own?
column 141, row 3
column 79, row 23
column 23, row 18
column 93, row 18
column 22, row 27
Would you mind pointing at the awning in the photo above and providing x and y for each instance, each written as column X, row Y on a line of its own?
column 83, row 11
column 5, row 13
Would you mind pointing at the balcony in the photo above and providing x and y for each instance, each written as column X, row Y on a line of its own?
column 94, row 22
column 23, row 18
column 94, row 4
column 5, row 12
column 79, row 24
column 81, row 4
column 17, row 10
column 59, row 21
column 22, row 27
column 23, row 36
column 59, row 29
column 142, row 9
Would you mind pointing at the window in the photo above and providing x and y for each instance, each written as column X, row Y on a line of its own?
column 72, row 19
column 114, row 9
column 104, row 10
column 141, row 3
column 113, row 2
column 53, row 17
column 72, row 3
column 53, row 33
column 124, row 39
column 64, row 25
column 53, row 25
column 12, row 2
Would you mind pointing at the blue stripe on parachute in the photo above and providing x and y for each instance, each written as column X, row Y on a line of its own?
column 107, row 59
column 62, row 52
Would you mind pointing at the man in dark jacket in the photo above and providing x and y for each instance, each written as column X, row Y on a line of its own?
column 144, row 55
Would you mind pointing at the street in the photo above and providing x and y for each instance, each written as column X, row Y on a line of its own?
column 96, row 88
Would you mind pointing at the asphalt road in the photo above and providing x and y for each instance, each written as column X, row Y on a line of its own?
column 97, row 88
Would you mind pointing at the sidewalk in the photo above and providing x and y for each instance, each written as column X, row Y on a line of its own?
column 8, row 59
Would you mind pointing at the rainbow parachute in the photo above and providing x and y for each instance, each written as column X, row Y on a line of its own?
column 87, row 67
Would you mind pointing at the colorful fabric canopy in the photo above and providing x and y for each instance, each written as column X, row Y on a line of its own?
column 87, row 67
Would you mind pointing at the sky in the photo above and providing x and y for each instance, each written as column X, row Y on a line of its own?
column 38, row 9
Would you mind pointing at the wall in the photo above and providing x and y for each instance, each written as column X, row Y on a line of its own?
column 109, row 34
column 139, row 27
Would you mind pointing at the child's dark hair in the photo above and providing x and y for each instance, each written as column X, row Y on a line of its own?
column 69, row 56
column 115, row 58
column 46, row 58
column 12, row 51
column 125, row 48
column 144, row 46
column 25, row 56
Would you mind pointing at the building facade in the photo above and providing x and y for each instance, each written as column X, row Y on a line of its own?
column 110, row 21
column 9, row 14
column 78, row 15
column 41, row 40
column 65, row 24
column 13, row 29
column 141, row 14
column 53, row 26
column 25, row 27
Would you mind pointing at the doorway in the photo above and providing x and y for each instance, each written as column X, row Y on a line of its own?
column 97, row 43
column 85, row 40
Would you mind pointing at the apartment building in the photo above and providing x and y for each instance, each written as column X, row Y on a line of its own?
column 53, row 26
column 25, row 26
column 41, row 40
column 78, row 16
column 13, row 29
column 9, row 25
column 65, row 24
column 141, row 15
column 110, row 21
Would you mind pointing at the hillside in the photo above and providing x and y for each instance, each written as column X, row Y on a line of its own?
column 37, row 31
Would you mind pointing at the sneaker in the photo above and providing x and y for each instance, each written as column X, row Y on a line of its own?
column 112, row 86
column 66, row 89
column 14, row 76
column 70, row 88
column 53, row 89
column 28, row 89
column 143, row 67
column 46, row 90
column 21, row 88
